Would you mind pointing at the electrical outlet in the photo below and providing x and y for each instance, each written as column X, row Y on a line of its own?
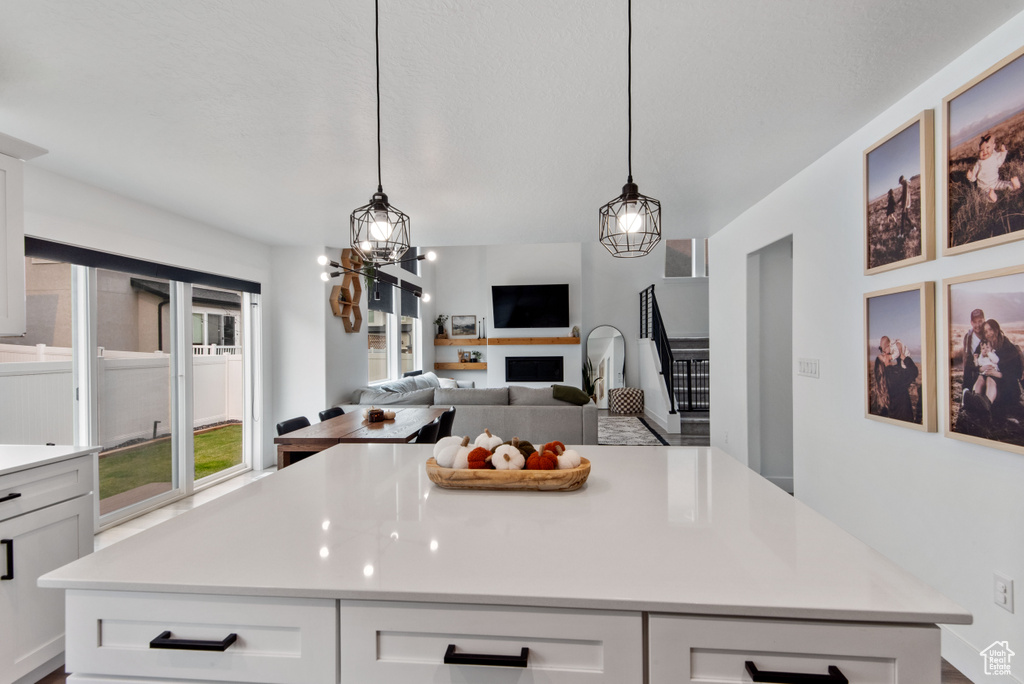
column 1002, row 588
column 726, row 436
column 809, row 368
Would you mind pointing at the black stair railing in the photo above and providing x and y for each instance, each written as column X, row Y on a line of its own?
column 652, row 326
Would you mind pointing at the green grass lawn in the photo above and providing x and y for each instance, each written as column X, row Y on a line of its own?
column 151, row 462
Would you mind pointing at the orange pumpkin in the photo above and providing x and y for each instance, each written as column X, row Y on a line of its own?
column 480, row 458
column 542, row 461
column 553, row 447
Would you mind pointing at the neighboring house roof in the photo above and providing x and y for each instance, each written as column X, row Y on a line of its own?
column 228, row 300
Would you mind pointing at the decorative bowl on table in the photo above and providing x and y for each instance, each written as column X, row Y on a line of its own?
column 565, row 480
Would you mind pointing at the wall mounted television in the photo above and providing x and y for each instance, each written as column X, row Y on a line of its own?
column 530, row 306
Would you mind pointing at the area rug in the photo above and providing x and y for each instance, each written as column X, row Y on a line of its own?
column 627, row 431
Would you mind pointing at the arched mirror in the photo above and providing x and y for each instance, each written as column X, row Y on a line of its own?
column 606, row 361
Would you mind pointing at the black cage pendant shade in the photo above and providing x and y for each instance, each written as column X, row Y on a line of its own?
column 379, row 232
column 630, row 225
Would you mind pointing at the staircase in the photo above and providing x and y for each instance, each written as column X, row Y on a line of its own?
column 685, row 369
column 691, row 380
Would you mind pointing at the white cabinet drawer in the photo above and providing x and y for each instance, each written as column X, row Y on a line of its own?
column 695, row 650
column 32, row 618
column 279, row 641
column 34, row 488
column 397, row 643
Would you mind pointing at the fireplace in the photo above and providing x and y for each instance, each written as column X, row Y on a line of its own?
column 533, row 369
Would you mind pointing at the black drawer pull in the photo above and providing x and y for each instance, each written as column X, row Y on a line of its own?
column 165, row 641
column 9, row 543
column 453, row 658
column 834, row 676
column 12, row 495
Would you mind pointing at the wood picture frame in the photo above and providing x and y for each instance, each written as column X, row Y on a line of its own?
column 899, row 389
column 997, row 418
column 463, row 326
column 990, row 105
column 899, row 201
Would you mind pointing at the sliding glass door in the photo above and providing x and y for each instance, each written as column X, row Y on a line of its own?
column 218, row 383
column 133, row 377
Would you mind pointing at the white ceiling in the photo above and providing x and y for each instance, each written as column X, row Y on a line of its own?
column 502, row 121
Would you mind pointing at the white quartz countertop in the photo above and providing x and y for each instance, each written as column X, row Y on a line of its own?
column 663, row 529
column 15, row 457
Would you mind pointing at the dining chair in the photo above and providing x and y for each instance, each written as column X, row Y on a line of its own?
column 447, row 418
column 428, row 433
column 331, row 413
column 291, row 425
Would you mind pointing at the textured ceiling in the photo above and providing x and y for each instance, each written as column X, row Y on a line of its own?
column 502, row 121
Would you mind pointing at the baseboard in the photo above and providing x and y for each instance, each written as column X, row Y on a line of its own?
column 672, row 428
column 43, row 670
column 967, row 658
column 784, row 483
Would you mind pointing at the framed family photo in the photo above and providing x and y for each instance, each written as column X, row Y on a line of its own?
column 983, row 138
column 463, row 326
column 898, row 196
column 984, row 331
column 899, row 330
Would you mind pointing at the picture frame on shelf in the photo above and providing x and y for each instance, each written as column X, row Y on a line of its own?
column 983, row 328
column 899, row 197
column 899, row 344
column 463, row 326
column 983, row 159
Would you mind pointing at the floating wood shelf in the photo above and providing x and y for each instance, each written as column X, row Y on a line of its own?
column 457, row 342
column 345, row 297
column 461, row 366
column 532, row 340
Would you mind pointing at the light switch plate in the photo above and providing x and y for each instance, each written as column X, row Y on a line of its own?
column 1002, row 592
column 809, row 368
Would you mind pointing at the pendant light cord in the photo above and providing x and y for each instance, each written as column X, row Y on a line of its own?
column 629, row 87
column 376, row 45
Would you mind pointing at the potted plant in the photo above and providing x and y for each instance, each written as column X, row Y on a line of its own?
column 589, row 381
column 439, row 322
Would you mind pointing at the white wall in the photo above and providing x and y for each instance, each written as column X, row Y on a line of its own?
column 463, row 279
column 611, row 296
column 301, row 308
column 948, row 511
column 70, row 211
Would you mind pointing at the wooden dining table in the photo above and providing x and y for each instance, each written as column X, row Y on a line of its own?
column 352, row 428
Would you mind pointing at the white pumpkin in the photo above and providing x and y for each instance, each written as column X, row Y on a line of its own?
column 568, row 459
column 389, row 415
column 446, row 448
column 488, row 441
column 508, row 457
column 462, row 455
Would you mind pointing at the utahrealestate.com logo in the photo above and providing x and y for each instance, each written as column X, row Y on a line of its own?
column 997, row 658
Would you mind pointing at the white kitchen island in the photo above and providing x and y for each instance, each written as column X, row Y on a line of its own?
column 671, row 565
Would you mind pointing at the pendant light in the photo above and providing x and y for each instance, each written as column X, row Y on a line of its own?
column 631, row 223
column 379, row 232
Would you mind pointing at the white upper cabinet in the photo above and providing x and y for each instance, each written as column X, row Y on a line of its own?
column 13, row 152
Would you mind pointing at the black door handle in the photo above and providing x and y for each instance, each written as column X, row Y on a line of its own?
column 453, row 658
column 165, row 641
column 834, row 676
column 12, row 495
column 9, row 543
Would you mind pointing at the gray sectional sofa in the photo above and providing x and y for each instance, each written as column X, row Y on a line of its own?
column 527, row 412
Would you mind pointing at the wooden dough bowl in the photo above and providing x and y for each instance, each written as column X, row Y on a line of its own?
column 527, row 480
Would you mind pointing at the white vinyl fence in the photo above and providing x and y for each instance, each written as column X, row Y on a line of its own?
column 36, row 394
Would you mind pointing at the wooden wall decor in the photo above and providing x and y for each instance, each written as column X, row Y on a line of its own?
column 345, row 298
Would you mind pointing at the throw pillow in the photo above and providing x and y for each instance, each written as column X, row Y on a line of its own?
column 532, row 396
column 573, row 395
column 447, row 383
